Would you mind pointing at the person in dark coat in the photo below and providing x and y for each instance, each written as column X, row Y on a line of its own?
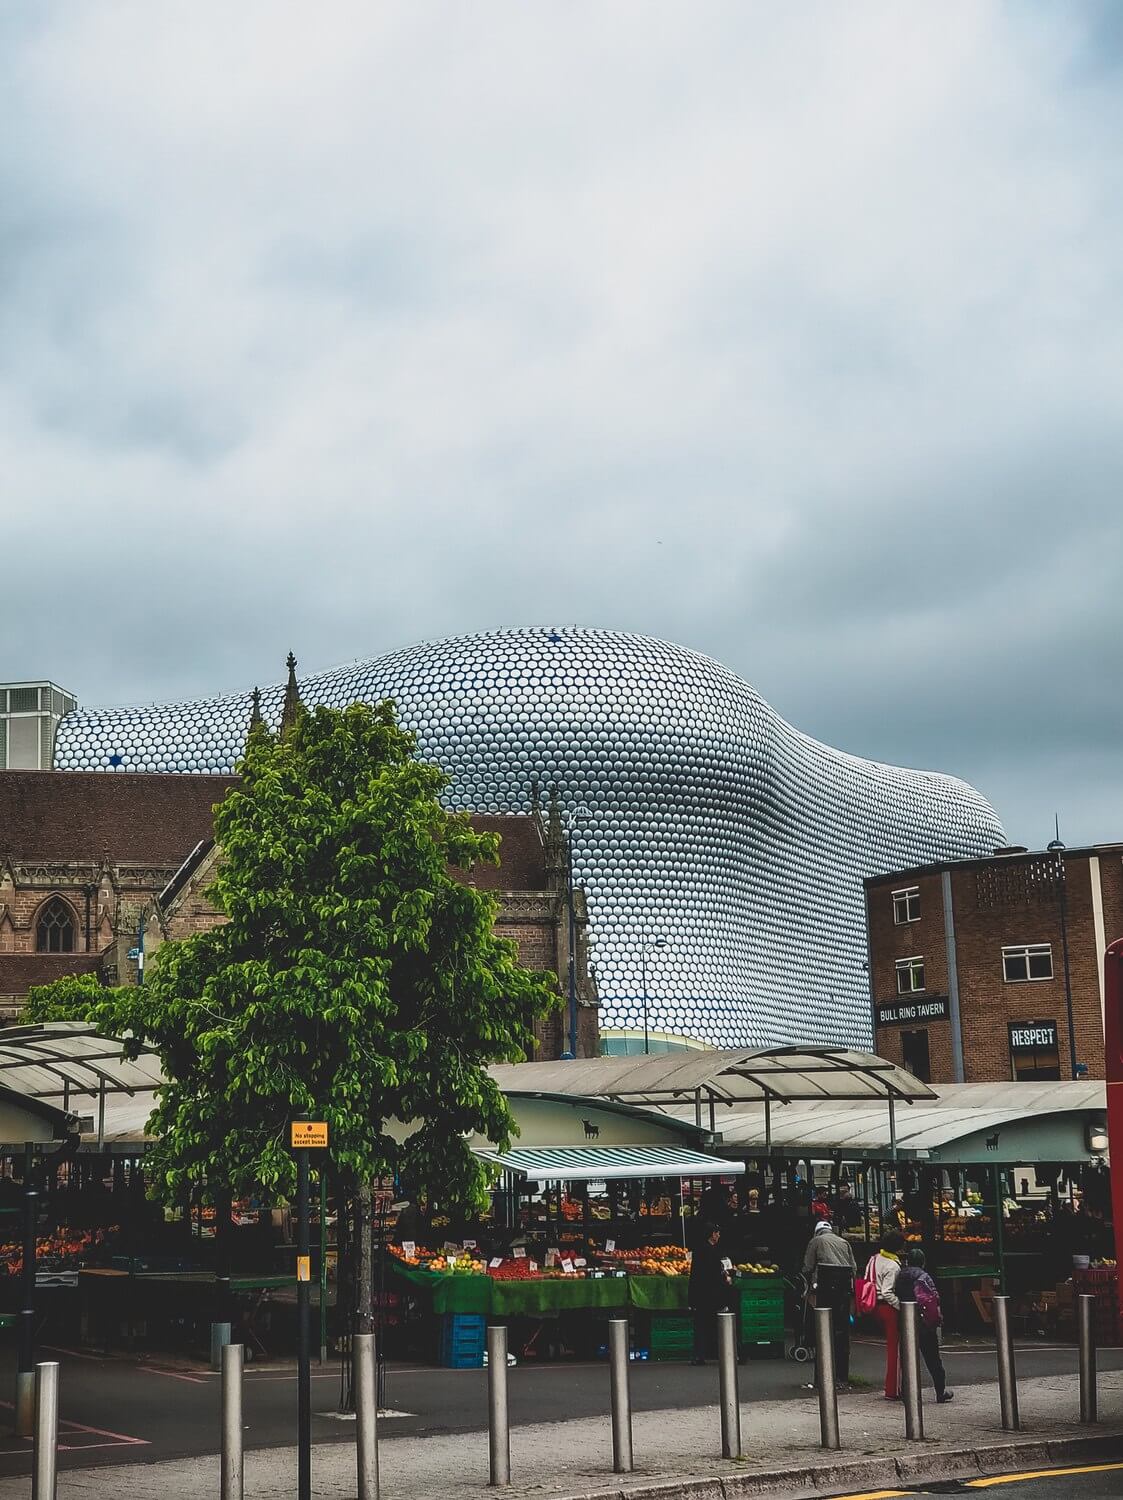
column 909, row 1278
column 709, row 1291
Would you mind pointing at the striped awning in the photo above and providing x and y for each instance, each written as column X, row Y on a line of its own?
column 602, row 1163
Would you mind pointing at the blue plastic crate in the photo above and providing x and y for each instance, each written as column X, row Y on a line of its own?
column 463, row 1338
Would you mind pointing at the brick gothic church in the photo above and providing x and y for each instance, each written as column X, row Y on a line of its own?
column 90, row 860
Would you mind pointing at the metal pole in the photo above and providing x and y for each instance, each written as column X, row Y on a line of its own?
column 1007, row 1376
column 892, row 1127
column 366, row 1413
column 44, row 1463
column 910, row 1373
column 499, row 1431
column 621, row 1396
column 1072, row 1063
column 25, row 1377
column 232, row 1483
column 323, row 1266
column 729, row 1397
column 643, row 973
column 1087, row 1328
column 572, row 943
column 999, row 1233
column 220, row 1338
column 825, row 1378
column 303, row 1341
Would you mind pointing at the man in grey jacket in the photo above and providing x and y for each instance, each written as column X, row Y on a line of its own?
column 830, row 1269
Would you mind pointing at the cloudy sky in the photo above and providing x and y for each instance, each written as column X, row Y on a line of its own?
column 792, row 333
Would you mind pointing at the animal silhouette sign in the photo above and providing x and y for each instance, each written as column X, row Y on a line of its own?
column 592, row 1132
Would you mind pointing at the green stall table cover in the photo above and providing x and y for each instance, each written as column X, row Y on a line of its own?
column 658, row 1293
column 542, row 1299
column 453, row 1293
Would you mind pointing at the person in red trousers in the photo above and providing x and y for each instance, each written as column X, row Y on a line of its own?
column 886, row 1269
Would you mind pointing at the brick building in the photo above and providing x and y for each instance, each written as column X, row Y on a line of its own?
column 976, row 966
column 89, row 860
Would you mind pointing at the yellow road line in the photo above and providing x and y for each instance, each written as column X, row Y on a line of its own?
column 877, row 1495
column 982, row 1484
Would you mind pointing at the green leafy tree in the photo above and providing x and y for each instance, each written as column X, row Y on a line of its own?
column 355, row 980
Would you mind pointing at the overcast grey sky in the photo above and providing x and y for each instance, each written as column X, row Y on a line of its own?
column 792, row 333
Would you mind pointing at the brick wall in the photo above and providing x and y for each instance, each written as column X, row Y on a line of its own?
column 997, row 903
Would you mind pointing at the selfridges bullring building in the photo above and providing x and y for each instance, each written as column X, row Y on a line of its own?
column 721, row 850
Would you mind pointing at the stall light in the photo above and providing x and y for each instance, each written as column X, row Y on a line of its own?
column 1096, row 1136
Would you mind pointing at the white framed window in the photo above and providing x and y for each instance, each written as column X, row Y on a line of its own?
column 910, row 975
column 906, row 905
column 1027, row 961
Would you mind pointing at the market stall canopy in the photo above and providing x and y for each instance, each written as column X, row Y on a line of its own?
column 66, row 1059
column 605, row 1163
column 961, row 1123
column 65, row 1063
column 757, row 1073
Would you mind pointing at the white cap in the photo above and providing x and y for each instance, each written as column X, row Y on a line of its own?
column 824, row 1226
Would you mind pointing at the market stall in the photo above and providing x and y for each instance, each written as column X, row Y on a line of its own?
column 557, row 1276
column 1005, row 1187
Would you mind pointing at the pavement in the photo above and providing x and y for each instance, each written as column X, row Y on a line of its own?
column 677, row 1453
column 139, row 1409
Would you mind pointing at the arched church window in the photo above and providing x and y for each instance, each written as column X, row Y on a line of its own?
column 54, row 931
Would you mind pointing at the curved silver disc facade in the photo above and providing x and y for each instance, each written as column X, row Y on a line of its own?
column 714, row 825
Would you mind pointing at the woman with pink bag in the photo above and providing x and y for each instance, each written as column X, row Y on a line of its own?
column 879, row 1289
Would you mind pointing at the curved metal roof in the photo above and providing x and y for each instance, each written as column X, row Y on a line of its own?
column 593, row 1163
column 65, row 1059
column 731, row 1077
column 934, row 1126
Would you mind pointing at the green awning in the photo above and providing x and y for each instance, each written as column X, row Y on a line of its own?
column 602, row 1163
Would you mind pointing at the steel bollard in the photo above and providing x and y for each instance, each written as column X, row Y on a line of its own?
column 363, row 1356
column 44, row 1462
column 499, row 1427
column 621, row 1396
column 1007, row 1374
column 232, row 1481
column 825, row 1378
column 910, row 1373
column 729, row 1396
column 220, row 1337
column 1086, row 1327
column 23, row 1420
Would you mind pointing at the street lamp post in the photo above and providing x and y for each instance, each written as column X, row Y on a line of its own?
column 645, row 949
column 580, row 815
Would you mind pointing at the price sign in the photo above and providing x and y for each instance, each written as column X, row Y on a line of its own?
column 567, row 1267
column 610, row 1246
column 409, row 1249
column 519, row 1252
column 495, row 1262
column 533, row 1264
column 304, row 1268
column 451, row 1261
column 469, row 1244
column 309, row 1135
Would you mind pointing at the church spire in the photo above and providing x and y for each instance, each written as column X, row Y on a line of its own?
column 292, row 708
column 256, row 721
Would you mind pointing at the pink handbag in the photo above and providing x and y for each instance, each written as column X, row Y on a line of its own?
column 865, row 1289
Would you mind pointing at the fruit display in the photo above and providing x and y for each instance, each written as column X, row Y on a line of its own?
column 654, row 1260
column 976, row 1230
column 757, row 1268
column 451, row 1262
column 62, row 1251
